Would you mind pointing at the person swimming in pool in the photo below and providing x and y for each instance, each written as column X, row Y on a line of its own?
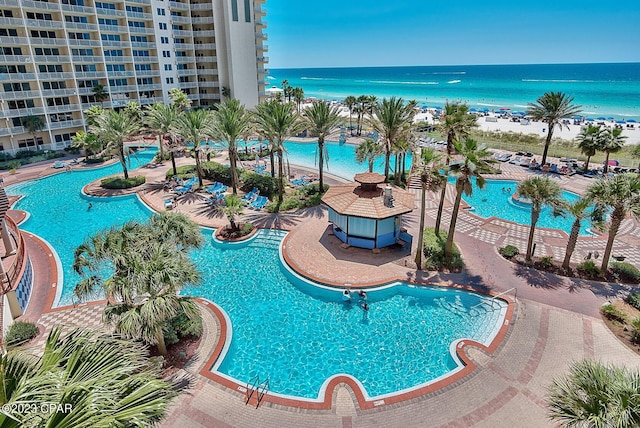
column 90, row 206
column 346, row 295
column 362, row 295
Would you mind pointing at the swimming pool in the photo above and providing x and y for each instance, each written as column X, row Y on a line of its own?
column 295, row 333
column 494, row 200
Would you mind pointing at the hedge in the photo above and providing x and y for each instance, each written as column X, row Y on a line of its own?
column 122, row 183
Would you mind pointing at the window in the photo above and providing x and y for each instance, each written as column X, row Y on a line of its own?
column 115, row 67
column 110, row 37
column 145, row 81
column 12, row 51
column 50, row 68
column 176, row 27
column 102, row 5
column 161, row 12
column 29, row 142
column 8, row 32
column 6, row 13
column 16, row 87
column 14, row 69
column 47, row 51
column 85, row 67
column 74, row 2
column 117, row 82
column 140, row 53
column 43, row 34
column 60, row 138
column 79, row 36
column 60, row 117
column 234, row 10
column 167, row 67
column 170, row 80
column 113, row 52
column 164, row 40
column 18, row 104
column 104, row 21
column 182, row 67
column 39, row 16
column 134, row 9
column 166, row 54
column 162, row 25
column 181, row 53
column 58, row 101
column 136, row 24
column 143, row 67
column 141, row 39
column 174, row 13
column 82, row 52
column 82, row 19
column 88, row 83
column 184, row 79
column 54, row 85
column 247, row 10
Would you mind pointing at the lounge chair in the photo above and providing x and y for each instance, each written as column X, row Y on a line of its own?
column 251, row 196
column 259, row 203
column 214, row 188
column 168, row 204
column 183, row 190
column 58, row 165
column 516, row 160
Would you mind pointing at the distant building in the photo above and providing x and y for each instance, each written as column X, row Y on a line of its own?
column 54, row 52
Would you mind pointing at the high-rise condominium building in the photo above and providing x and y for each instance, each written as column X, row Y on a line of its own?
column 55, row 53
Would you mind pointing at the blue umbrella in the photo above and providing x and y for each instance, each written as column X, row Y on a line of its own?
column 424, row 107
column 620, row 121
column 611, row 118
column 589, row 119
column 438, row 108
column 473, row 110
column 602, row 118
column 484, row 110
column 631, row 121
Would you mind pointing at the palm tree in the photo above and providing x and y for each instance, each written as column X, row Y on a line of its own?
column 34, row 124
column 179, row 99
column 595, row 395
column 622, row 193
column 86, row 380
column 350, row 102
column 231, row 122
column 100, row 94
column 430, row 179
column 225, row 92
column 160, row 119
column 89, row 142
column 475, row 161
column 322, row 119
column 298, row 96
column 286, row 90
column 233, row 207
column 150, row 264
column 277, row 122
column 134, row 110
column 540, row 191
column 635, row 153
column 92, row 113
column 579, row 210
column 455, row 124
column 551, row 108
column 402, row 146
column 589, row 140
column 612, row 141
column 360, row 108
column 195, row 126
column 368, row 151
column 393, row 118
column 114, row 128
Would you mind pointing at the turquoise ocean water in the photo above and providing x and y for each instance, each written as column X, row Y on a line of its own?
column 609, row 90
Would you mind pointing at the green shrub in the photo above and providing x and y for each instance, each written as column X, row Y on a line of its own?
column 626, row 270
column 634, row 300
column 635, row 333
column 180, row 327
column 267, row 185
column 251, row 156
column 183, row 171
column 509, row 251
column 546, row 261
column 217, row 172
column 20, row 154
column 247, row 228
column 589, row 268
column 312, row 189
column 72, row 149
column 21, row 332
column 166, row 155
column 94, row 160
column 122, row 183
column 5, row 156
column 433, row 250
column 612, row 313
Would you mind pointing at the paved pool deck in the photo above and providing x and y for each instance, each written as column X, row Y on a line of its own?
column 555, row 323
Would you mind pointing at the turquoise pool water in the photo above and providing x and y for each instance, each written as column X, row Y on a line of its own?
column 493, row 201
column 284, row 328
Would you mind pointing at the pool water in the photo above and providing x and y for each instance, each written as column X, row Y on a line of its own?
column 284, row 328
column 493, row 201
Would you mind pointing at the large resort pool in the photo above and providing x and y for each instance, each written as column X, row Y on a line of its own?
column 296, row 333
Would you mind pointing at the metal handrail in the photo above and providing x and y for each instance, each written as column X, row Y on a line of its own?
column 500, row 294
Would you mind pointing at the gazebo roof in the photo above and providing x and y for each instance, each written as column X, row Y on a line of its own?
column 350, row 199
column 369, row 178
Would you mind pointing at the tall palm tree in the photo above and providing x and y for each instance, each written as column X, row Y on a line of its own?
column 403, row 145
column 34, row 124
column 540, row 191
column 361, row 109
column 322, row 119
column 579, row 210
column 85, row 380
column 368, row 151
column 89, row 142
column 233, row 207
column 277, row 122
column 589, row 140
column 91, row 114
column 551, row 108
column 430, row 179
column 134, row 110
column 392, row 119
column 612, row 141
column 350, row 101
column 621, row 193
column 195, row 126
column 100, row 94
column 179, row 99
column 160, row 119
column 298, row 96
column 595, row 395
column 455, row 125
column 475, row 161
column 114, row 128
column 287, row 90
column 231, row 122
column 150, row 264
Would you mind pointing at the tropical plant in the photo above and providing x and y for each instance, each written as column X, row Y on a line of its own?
column 195, row 126
column 277, row 122
column 635, row 153
column 160, row 119
column 612, row 141
column 350, row 101
column 92, row 113
column 231, row 122
column 298, row 96
column 392, row 119
column 149, row 266
column 621, row 195
column 88, row 142
column 589, row 140
column 430, row 179
column 134, row 110
column 100, row 94
column 34, row 124
column 403, row 145
column 83, row 380
column 551, row 108
column 540, row 191
column 179, row 99
column 233, row 207
column 579, row 210
column 595, row 395
column 455, row 124
column 322, row 119
column 476, row 160
column 368, row 151
column 225, row 92
column 114, row 128
column 287, row 90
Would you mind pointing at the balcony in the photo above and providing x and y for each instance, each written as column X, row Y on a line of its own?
column 59, row 92
column 57, row 76
column 20, row 95
column 151, row 87
column 202, row 20
column 187, row 72
column 206, row 59
column 142, row 2
column 7, row 40
column 38, row 5
column 186, row 85
column 120, row 59
column 81, row 26
column 152, row 73
column 148, row 45
column 201, row 6
column 177, row 46
column 209, row 84
column 21, row 112
column 205, row 46
column 43, row 24
column 140, row 15
column 141, row 30
column 204, row 33
column 145, row 59
column 114, row 28
column 37, row 41
column 66, row 124
column 120, row 89
column 260, row 35
column 126, row 73
column 116, row 44
column 16, row 3
column 93, row 43
column 91, row 75
column 63, row 109
column 65, row 7
column 111, row 12
column 87, row 59
column 52, row 58
column 207, row 72
column 182, row 33
column 4, row 77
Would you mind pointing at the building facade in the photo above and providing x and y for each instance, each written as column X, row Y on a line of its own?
column 54, row 53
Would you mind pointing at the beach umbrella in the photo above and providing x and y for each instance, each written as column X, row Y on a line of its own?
column 631, row 121
column 473, row 110
column 613, row 162
column 589, row 119
column 485, row 110
column 504, row 108
column 602, row 118
column 620, row 121
column 611, row 118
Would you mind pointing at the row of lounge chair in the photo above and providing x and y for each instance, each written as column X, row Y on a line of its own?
column 216, row 188
column 216, row 200
column 254, row 200
column 186, row 187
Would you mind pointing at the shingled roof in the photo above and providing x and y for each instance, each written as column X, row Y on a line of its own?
column 350, row 199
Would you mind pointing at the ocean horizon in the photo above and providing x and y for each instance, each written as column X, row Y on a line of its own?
column 601, row 89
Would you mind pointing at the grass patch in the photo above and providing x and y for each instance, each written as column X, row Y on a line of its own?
column 433, row 251
column 21, row 332
column 612, row 313
column 122, row 183
column 302, row 197
column 508, row 251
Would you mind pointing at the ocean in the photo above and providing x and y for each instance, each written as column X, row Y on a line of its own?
column 603, row 90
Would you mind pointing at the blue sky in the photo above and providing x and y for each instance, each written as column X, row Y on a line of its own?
column 351, row 33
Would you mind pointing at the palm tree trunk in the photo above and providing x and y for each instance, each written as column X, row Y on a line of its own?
column 173, row 163
column 320, row 162
column 443, row 194
column 547, row 144
column 616, row 219
column 371, row 161
column 387, row 156
column 448, row 248
column 586, row 166
column 350, row 123
column 162, row 347
column 423, row 199
column 280, row 175
column 535, row 214
column 571, row 245
column 404, row 166
column 273, row 164
column 161, row 146
column 234, row 170
column 198, row 166
column 123, row 161
column 606, row 163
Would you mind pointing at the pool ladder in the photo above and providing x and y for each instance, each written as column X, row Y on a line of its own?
column 493, row 299
column 257, row 387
